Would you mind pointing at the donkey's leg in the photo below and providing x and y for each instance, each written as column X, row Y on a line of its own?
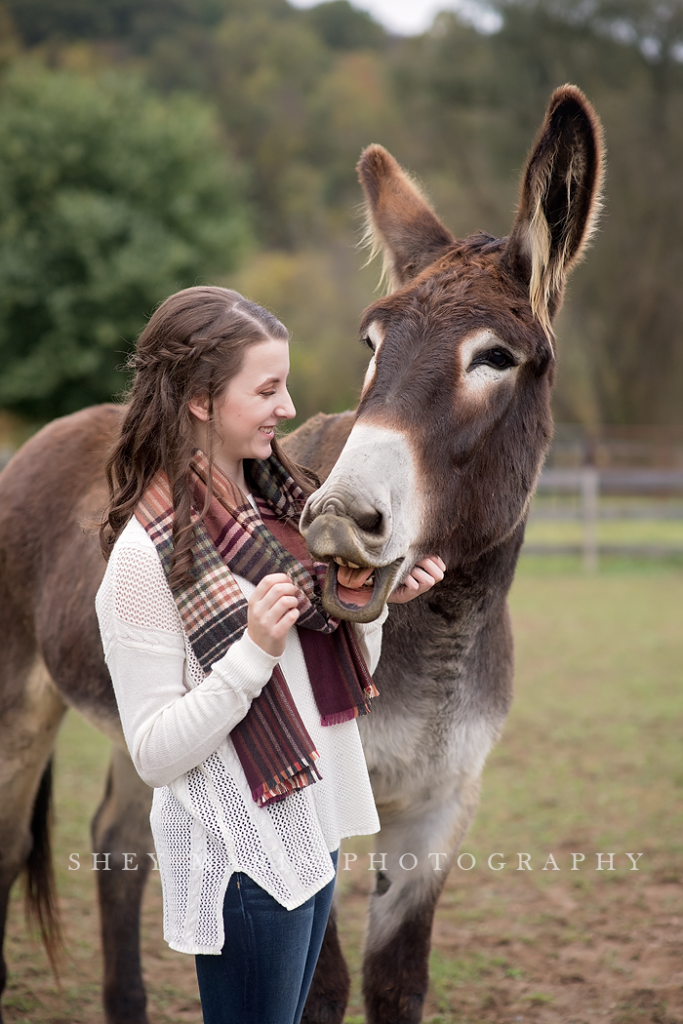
column 331, row 983
column 28, row 726
column 121, row 826
column 396, row 965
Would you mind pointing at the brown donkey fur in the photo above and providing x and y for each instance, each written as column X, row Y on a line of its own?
column 441, row 457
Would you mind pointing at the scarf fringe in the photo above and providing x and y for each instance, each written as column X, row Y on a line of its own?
column 339, row 717
column 294, row 777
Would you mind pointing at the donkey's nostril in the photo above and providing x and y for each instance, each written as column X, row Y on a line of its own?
column 370, row 521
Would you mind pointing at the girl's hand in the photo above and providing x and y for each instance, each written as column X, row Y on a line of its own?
column 272, row 612
column 421, row 578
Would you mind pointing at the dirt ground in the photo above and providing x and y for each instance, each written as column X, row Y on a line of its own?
column 504, row 951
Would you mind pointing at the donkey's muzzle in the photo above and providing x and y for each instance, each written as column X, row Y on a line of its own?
column 330, row 537
column 384, row 578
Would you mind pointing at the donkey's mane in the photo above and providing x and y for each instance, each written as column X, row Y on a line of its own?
column 479, row 243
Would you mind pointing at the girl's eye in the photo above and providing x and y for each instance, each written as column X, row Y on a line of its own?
column 498, row 358
column 267, row 394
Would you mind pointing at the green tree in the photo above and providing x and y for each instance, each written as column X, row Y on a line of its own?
column 110, row 200
column 299, row 93
column 344, row 27
column 138, row 21
column 267, row 77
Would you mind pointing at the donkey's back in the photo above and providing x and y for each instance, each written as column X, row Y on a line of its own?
column 50, row 561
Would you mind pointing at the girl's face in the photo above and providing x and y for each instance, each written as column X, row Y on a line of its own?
column 246, row 413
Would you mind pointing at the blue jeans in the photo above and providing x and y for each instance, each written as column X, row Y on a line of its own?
column 265, row 968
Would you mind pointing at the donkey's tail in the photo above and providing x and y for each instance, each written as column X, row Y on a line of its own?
column 41, row 893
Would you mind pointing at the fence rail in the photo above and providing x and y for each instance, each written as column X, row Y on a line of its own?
column 589, row 484
column 613, row 481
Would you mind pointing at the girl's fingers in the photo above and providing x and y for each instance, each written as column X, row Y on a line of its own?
column 421, row 578
column 285, row 623
column 268, row 613
column 424, row 575
column 279, row 592
column 269, row 621
column 434, row 566
column 269, row 597
column 268, row 582
column 285, row 606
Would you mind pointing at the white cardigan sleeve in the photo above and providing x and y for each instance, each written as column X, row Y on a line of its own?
column 170, row 725
column 370, row 639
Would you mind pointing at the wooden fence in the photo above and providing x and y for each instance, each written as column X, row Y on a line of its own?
column 589, row 485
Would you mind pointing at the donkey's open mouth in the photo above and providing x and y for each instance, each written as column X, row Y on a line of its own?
column 358, row 593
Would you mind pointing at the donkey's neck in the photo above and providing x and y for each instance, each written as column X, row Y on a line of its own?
column 464, row 611
column 445, row 675
column 482, row 583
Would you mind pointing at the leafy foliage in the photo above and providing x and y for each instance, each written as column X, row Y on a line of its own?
column 300, row 93
column 343, row 27
column 138, row 21
column 109, row 200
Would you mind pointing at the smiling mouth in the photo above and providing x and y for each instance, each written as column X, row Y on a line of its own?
column 358, row 593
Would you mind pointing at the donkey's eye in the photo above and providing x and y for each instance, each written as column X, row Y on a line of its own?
column 498, row 358
column 367, row 340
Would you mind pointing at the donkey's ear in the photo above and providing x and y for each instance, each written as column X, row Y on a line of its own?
column 559, row 201
column 400, row 222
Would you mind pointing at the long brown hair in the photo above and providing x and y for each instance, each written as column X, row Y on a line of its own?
column 194, row 344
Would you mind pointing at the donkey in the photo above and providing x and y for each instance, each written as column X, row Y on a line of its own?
column 441, row 456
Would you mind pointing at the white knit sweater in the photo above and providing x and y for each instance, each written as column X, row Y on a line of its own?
column 177, row 721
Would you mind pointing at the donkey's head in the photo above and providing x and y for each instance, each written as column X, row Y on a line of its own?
column 454, row 417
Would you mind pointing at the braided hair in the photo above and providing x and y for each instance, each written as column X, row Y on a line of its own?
column 194, row 344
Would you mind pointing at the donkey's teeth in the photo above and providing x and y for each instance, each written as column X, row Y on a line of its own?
column 343, row 562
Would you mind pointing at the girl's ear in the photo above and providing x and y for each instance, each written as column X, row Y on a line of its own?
column 200, row 407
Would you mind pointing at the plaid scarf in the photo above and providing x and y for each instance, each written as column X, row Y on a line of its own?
column 272, row 743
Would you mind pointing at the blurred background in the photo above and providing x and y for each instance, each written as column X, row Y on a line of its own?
column 149, row 144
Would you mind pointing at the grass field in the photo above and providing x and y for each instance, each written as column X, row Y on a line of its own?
column 653, row 522
column 590, row 762
column 659, row 532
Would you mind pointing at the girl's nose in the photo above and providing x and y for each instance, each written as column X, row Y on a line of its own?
column 285, row 409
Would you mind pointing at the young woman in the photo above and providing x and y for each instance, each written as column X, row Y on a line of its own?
column 244, row 725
